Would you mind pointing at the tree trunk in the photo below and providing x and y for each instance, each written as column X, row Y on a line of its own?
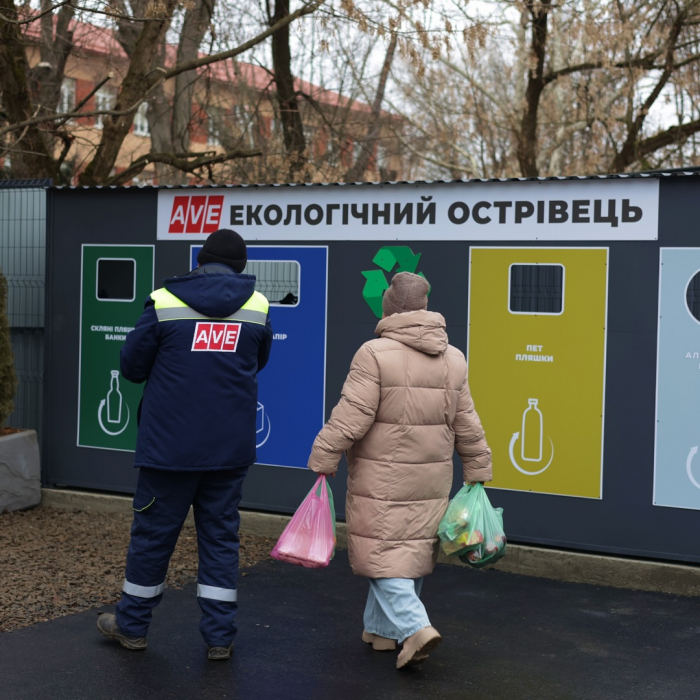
column 133, row 88
column 292, row 127
column 128, row 31
column 55, row 47
column 357, row 171
column 169, row 125
column 194, row 27
column 33, row 156
column 527, row 134
column 159, row 117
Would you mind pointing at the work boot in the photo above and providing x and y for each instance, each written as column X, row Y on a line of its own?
column 220, row 653
column 378, row 643
column 107, row 624
column 416, row 647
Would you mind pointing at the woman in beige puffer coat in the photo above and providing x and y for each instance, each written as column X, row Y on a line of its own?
column 404, row 408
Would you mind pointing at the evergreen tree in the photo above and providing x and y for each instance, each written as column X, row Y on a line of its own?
column 8, row 378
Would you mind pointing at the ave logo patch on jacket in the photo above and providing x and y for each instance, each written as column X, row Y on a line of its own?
column 222, row 337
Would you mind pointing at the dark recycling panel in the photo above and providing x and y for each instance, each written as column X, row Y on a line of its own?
column 607, row 504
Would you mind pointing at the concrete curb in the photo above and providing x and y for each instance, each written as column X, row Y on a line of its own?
column 560, row 565
column 597, row 569
column 252, row 522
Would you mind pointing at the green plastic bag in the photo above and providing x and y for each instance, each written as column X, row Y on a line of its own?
column 457, row 529
column 331, row 503
column 494, row 542
column 472, row 528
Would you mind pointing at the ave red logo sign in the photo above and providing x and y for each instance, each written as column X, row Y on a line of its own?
column 222, row 337
column 196, row 214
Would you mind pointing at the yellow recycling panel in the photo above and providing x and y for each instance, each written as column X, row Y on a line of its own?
column 537, row 320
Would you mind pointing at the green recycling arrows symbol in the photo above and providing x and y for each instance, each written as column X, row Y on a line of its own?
column 387, row 259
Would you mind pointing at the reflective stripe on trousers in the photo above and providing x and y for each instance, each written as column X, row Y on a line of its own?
column 226, row 595
column 143, row 591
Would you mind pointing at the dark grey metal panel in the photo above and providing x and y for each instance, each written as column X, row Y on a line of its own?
column 104, row 216
column 623, row 522
column 350, row 324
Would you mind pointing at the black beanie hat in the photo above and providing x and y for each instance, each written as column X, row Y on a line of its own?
column 224, row 246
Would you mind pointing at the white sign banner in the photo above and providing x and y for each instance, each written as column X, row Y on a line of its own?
column 567, row 210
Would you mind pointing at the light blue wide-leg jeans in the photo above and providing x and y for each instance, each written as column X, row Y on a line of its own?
column 394, row 609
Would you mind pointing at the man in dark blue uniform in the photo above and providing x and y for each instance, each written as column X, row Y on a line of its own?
column 200, row 343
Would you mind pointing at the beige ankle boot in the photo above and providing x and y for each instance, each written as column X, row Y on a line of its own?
column 416, row 647
column 379, row 643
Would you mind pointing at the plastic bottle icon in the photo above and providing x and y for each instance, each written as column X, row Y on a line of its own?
column 114, row 399
column 531, row 443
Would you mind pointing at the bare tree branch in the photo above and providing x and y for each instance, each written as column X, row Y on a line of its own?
column 246, row 46
column 644, row 62
column 675, row 134
column 84, row 101
column 163, row 75
column 186, row 162
column 63, row 117
column 89, row 10
column 37, row 16
column 357, row 171
column 627, row 155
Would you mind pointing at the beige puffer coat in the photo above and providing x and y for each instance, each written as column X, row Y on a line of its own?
column 405, row 407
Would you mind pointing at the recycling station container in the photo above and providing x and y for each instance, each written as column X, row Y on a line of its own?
column 576, row 301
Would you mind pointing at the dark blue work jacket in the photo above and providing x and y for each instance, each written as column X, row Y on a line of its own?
column 200, row 343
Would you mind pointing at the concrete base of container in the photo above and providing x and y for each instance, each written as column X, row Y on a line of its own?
column 20, row 471
column 526, row 560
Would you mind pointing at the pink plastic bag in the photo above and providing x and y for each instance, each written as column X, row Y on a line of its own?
column 309, row 538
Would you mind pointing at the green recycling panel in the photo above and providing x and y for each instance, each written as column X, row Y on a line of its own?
column 116, row 279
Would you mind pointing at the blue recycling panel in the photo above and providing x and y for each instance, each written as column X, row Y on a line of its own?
column 291, row 388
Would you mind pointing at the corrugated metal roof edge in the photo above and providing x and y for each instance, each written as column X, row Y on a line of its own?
column 25, row 184
column 680, row 172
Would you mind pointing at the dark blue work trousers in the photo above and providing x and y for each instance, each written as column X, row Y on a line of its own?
column 161, row 503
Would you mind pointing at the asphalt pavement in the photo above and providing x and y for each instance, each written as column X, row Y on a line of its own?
column 506, row 637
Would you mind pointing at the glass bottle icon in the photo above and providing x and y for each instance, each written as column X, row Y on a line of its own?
column 114, row 399
column 531, row 442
